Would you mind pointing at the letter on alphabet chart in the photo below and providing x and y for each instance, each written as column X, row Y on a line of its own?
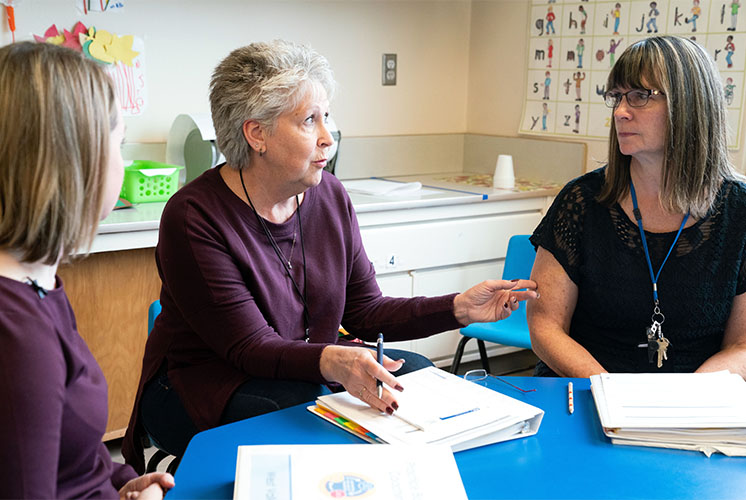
column 539, row 55
column 540, row 26
column 607, row 122
column 534, row 119
column 642, row 23
column 717, row 51
column 567, row 120
column 677, row 17
column 600, row 90
column 573, row 23
column 722, row 14
column 570, row 55
column 536, row 87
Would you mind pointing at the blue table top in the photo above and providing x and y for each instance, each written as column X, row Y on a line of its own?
column 569, row 458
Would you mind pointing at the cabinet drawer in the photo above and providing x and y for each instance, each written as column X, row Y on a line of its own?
column 447, row 242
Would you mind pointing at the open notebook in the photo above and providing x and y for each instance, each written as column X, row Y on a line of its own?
column 692, row 411
column 436, row 407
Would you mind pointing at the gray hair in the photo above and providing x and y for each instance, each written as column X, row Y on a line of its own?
column 696, row 159
column 260, row 82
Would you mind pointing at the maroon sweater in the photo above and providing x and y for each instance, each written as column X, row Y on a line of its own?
column 52, row 402
column 230, row 312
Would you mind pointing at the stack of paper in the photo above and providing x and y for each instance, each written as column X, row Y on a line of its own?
column 436, row 407
column 381, row 187
column 691, row 411
column 347, row 471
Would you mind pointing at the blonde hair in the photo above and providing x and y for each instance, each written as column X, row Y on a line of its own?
column 260, row 82
column 696, row 159
column 58, row 110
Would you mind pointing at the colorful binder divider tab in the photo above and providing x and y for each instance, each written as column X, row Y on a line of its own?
column 349, row 425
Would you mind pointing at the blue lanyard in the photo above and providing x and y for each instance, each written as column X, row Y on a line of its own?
column 638, row 217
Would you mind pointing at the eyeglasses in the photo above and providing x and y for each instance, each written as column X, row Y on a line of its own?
column 481, row 374
column 636, row 98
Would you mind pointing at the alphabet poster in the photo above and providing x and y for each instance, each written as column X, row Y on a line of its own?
column 573, row 45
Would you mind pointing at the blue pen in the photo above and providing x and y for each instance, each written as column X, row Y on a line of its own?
column 379, row 352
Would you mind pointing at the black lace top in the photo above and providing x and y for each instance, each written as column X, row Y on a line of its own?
column 601, row 251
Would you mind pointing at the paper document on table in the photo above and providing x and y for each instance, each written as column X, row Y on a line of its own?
column 703, row 411
column 285, row 472
column 381, row 187
column 438, row 407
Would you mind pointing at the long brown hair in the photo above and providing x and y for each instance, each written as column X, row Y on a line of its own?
column 696, row 159
column 58, row 110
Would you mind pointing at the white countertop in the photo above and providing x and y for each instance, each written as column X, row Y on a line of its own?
column 137, row 227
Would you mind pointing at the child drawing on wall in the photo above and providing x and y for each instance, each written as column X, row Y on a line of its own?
column 729, row 89
column 550, row 19
column 547, row 82
column 734, row 5
column 583, row 13
column 696, row 11
column 652, row 23
column 617, row 13
column 579, row 49
column 612, row 50
column 578, row 79
column 550, row 52
column 730, row 48
column 577, row 119
column 544, row 114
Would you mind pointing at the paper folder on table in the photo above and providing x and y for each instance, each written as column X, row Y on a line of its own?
column 347, row 471
column 692, row 411
column 436, row 407
column 381, row 187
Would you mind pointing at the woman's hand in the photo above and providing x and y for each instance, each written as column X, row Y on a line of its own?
column 491, row 300
column 147, row 487
column 357, row 370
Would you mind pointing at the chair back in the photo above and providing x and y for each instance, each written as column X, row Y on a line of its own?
column 153, row 311
column 519, row 260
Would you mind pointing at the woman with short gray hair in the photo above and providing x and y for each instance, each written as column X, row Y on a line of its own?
column 261, row 261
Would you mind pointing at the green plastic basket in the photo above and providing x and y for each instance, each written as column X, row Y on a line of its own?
column 146, row 181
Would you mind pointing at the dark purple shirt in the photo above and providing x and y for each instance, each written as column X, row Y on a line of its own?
column 230, row 312
column 53, row 406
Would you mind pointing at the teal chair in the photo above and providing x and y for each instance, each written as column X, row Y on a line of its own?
column 153, row 311
column 513, row 330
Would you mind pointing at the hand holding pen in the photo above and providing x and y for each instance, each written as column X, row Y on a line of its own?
column 359, row 371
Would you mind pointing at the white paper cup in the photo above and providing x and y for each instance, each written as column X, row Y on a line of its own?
column 504, row 177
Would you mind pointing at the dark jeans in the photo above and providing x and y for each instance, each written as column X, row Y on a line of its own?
column 167, row 422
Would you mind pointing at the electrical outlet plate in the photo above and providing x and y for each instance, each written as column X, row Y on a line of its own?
column 389, row 69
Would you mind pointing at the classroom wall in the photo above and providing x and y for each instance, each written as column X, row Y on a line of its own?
column 185, row 40
column 462, row 63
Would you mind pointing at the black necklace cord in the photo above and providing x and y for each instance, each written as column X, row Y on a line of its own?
column 302, row 295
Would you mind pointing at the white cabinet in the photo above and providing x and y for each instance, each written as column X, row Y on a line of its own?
column 444, row 249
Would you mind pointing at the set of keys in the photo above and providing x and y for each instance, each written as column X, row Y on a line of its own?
column 657, row 344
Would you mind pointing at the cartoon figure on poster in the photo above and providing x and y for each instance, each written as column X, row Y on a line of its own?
column 734, row 6
column 583, row 20
column 730, row 48
column 550, row 52
column 577, row 119
column 544, row 114
column 652, row 24
column 547, row 83
column 696, row 12
column 617, row 14
column 577, row 78
column 729, row 90
column 612, row 50
column 550, row 19
column 579, row 49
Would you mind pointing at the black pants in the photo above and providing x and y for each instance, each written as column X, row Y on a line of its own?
column 169, row 425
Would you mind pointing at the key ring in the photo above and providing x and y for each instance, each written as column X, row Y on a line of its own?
column 657, row 313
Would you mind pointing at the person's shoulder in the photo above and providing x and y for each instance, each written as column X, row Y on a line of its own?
column 735, row 189
column 586, row 185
